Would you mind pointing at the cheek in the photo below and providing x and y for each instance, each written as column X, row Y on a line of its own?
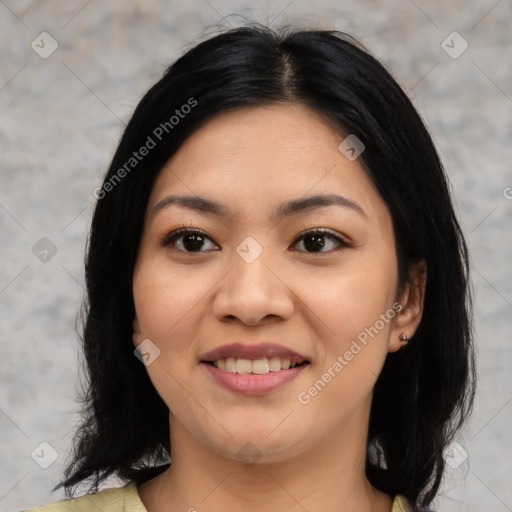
column 352, row 296
column 164, row 297
column 169, row 308
column 353, row 338
column 353, row 313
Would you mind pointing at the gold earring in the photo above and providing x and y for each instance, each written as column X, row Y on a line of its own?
column 404, row 339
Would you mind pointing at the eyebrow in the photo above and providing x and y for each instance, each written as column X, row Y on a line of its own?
column 286, row 209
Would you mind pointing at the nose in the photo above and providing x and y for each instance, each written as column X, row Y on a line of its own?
column 253, row 293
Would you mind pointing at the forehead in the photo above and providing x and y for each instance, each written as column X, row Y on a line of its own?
column 254, row 158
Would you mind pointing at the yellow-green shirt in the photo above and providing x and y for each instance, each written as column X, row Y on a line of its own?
column 126, row 499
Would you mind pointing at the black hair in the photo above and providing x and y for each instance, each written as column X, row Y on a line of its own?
column 424, row 393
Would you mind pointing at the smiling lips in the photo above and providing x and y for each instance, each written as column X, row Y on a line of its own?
column 253, row 369
column 253, row 358
column 256, row 366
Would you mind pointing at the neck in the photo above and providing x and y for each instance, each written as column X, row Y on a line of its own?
column 330, row 476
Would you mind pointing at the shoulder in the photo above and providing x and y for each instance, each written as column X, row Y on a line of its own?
column 120, row 499
column 401, row 504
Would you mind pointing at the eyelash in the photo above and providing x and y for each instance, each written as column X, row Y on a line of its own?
column 170, row 238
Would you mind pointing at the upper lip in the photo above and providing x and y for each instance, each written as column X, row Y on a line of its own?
column 253, row 351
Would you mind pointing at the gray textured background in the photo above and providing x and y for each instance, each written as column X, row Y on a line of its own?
column 62, row 116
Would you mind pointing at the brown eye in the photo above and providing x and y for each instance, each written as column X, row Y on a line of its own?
column 315, row 241
column 187, row 240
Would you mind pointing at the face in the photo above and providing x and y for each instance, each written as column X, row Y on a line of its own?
column 318, row 278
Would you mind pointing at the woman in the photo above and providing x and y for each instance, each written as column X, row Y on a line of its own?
column 276, row 238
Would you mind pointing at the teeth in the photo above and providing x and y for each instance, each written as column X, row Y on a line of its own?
column 257, row 366
column 260, row 366
column 231, row 364
column 274, row 364
column 243, row 366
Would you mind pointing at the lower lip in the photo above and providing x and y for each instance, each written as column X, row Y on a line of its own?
column 253, row 384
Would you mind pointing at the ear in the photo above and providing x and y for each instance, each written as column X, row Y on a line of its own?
column 411, row 300
column 136, row 336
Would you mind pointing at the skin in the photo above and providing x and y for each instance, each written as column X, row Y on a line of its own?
column 187, row 303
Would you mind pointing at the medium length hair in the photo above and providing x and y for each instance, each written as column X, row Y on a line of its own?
column 424, row 393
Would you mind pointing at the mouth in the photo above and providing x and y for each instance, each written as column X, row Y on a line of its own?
column 252, row 358
column 259, row 366
column 249, row 383
column 253, row 369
